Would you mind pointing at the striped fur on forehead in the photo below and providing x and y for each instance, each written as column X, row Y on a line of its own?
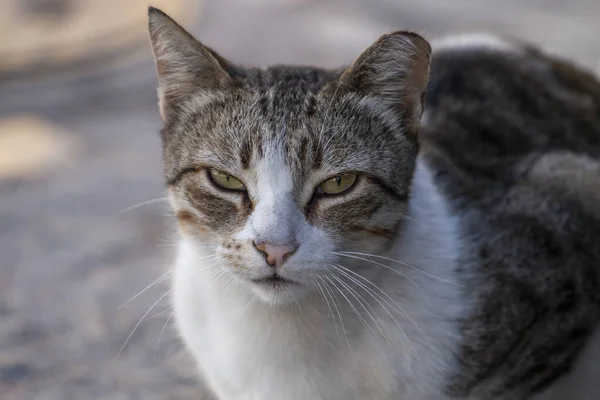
column 357, row 118
column 233, row 127
column 316, row 129
column 313, row 134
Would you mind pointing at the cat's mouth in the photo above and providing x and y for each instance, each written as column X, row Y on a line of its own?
column 274, row 281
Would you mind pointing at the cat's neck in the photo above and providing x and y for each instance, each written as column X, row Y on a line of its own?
column 428, row 239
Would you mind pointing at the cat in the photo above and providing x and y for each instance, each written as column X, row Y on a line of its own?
column 419, row 225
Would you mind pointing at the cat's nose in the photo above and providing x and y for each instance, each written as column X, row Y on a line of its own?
column 276, row 255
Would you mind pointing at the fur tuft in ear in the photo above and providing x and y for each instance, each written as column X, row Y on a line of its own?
column 183, row 64
column 394, row 69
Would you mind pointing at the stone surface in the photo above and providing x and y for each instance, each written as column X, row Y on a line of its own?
column 72, row 247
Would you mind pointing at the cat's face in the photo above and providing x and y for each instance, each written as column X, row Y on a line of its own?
column 277, row 171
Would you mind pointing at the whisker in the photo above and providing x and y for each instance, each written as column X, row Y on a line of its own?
column 380, row 264
column 162, row 331
column 399, row 307
column 139, row 323
column 299, row 307
column 158, row 314
column 406, row 265
column 154, row 283
column 162, row 278
column 133, row 207
column 335, row 305
column 251, row 302
column 322, row 294
column 376, row 296
column 229, row 282
column 350, row 303
column 361, row 301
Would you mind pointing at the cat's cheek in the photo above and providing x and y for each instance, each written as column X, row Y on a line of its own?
column 188, row 222
column 235, row 254
column 190, row 225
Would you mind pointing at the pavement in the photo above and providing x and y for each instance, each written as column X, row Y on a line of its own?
column 83, row 222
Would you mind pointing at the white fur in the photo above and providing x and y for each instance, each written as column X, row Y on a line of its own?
column 474, row 41
column 277, row 220
column 263, row 349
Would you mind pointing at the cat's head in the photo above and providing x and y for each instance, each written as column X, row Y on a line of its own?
column 280, row 169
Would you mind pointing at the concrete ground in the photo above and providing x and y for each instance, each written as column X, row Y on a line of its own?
column 79, row 148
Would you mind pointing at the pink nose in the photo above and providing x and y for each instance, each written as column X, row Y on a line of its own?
column 276, row 255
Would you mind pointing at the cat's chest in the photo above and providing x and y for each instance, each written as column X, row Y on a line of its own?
column 244, row 361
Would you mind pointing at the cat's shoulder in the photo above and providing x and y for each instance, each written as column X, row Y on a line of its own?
column 495, row 107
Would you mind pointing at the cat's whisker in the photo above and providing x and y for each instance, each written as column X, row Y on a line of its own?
column 139, row 323
column 151, row 201
column 151, row 285
column 173, row 242
column 209, row 276
column 330, row 315
column 356, row 312
column 159, row 239
column 251, row 302
column 166, row 245
column 345, row 254
column 299, row 307
column 364, row 304
column 399, row 307
column 377, row 298
column 215, row 275
column 160, row 313
column 231, row 280
column 329, row 291
column 162, row 331
column 361, row 285
column 161, row 279
column 404, row 264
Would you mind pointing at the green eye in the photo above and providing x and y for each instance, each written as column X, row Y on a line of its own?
column 338, row 184
column 225, row 180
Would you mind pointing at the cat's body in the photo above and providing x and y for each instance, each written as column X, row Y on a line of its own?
column 469, row 271
column 514, row 138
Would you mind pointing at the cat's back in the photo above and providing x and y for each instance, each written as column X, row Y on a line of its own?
column 492, row 105
column 513, row 137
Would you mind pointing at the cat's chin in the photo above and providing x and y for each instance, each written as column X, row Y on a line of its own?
column 277, row 292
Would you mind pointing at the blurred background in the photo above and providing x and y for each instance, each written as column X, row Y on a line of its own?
column 83, row 222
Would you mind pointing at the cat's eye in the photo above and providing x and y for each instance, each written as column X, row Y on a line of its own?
column 225, row 180
column 337, row 184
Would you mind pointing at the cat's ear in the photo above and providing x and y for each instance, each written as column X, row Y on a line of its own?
column 394, row 69
column 184, row 65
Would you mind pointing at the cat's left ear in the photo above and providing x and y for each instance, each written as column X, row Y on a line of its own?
column 395, row 70
column 184, row 65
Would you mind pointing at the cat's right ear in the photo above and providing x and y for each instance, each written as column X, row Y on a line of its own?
column 395, row 71
column 183, row 64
